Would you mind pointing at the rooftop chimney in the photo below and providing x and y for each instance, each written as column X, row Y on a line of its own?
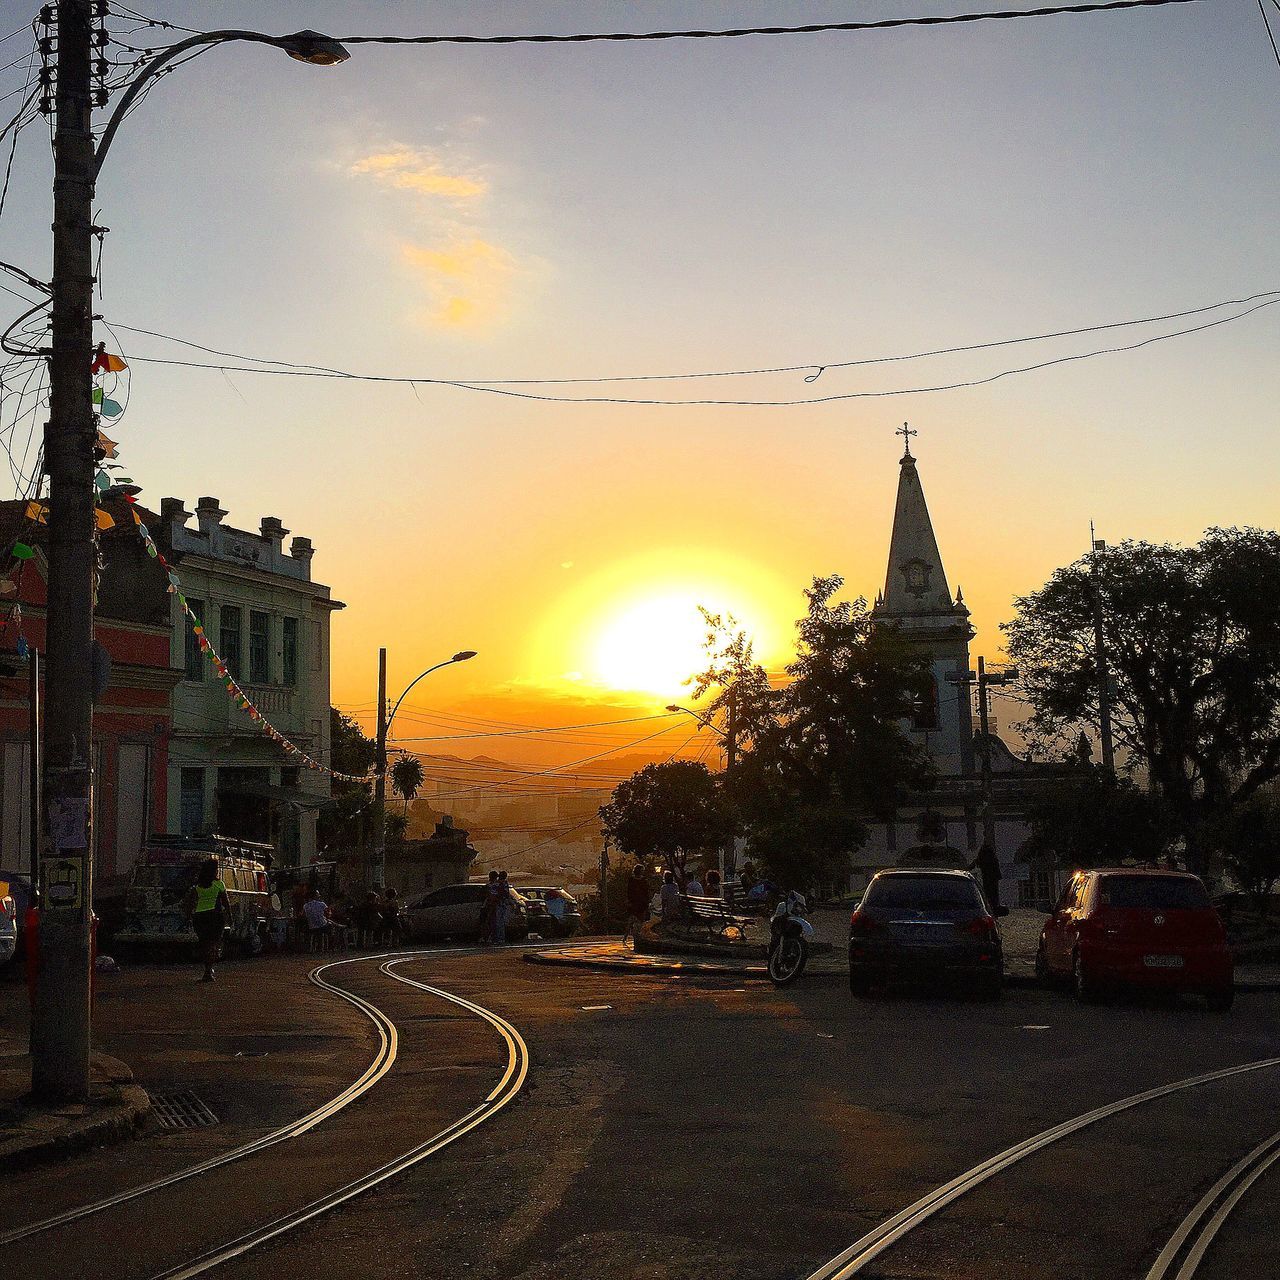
column 209, row 514
column 272, row 530
column 173, row 513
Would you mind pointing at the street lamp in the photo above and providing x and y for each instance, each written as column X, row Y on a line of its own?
column 61, row 1017
column 379, row 868
column 702, row 720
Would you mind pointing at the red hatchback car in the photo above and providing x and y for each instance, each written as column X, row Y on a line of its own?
column 1124, row 927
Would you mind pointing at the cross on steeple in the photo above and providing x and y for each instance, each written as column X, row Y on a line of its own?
column 906, row 433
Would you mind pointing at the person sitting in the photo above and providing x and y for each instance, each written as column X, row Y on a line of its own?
column 671, row 900
column 316, row 913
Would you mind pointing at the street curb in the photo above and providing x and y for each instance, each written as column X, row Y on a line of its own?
column 108, row 1121
column 666, row 967
column 757, row 973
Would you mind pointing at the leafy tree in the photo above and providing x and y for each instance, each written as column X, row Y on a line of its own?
column 1193, row 642
column 343, row 822
column 742, row 702
column 1250, row 841
column 396, row 826
column 831, row 750
column 407, row 778
column 669, row 810
column 1091, row 818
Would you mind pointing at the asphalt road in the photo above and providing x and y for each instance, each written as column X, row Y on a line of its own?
column 669, row 1129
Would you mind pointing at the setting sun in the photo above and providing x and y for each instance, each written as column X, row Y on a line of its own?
column 654, row 645
column 634, row 627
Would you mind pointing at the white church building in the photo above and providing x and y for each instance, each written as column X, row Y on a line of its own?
column 918, row 601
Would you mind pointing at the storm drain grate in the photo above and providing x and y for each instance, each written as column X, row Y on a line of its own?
column 182, row 1110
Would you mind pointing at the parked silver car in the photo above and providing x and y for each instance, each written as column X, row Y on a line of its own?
column 456, row 911
column 552, row 911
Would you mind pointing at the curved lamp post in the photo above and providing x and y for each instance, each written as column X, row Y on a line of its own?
column 378, row 870
column 702, row 720
column 61, row 1017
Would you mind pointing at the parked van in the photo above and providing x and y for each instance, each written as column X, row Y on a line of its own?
column 164, row 872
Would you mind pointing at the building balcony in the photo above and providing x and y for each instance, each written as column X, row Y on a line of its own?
column 271, row 699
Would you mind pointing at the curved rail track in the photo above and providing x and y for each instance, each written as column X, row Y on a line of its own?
column 388, row 1046
column 504, row 1091
column 509, row 1085
column 865, row 1250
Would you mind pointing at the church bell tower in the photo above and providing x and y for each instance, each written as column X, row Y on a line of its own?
column 917, row 601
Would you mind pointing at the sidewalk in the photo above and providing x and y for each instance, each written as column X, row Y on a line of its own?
column 30, row 1134
column 1020, row 931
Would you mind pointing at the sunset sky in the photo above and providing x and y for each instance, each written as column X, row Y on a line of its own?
column 539, row 212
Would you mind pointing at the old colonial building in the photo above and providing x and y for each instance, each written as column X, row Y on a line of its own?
column 270, row 622
column 133, row 687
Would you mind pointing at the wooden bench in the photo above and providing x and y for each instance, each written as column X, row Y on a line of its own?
column 717, row 915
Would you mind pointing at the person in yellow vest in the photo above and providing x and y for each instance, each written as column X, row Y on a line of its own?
column 209, row 913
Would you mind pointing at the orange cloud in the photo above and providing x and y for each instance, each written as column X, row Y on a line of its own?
column 408, row 169
column 469, row 281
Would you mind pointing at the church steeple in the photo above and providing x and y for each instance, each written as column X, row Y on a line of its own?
column 915, row 582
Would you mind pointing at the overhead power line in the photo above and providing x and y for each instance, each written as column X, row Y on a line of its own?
column 813, row 368
column 813, row 28
column 304, row 371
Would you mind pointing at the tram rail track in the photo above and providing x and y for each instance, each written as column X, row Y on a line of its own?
column 1190, row 1242
column 503, row 1093
column 382, row 1062
column 851, row 1261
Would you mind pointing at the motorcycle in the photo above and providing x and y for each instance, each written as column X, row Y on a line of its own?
column 789, row 937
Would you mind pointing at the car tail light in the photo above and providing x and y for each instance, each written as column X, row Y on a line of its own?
column 981, row 927
column 7, row 909
column 860, row 922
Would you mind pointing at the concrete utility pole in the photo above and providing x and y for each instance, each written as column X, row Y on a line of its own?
column 60, row 1023
column 61, row 1020
column 379, row 869
column 983, row 680
column 728, row 855
column 1100, row 653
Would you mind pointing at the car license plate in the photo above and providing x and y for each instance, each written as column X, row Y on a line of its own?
column 1162, row 962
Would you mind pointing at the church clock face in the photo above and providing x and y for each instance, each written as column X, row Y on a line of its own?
column 916, row 574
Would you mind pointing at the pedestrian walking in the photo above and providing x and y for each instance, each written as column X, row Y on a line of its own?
column 987, row 866
column 209, row 912
column 316, row 913
column 391, row 927
column 369, row 919
column 503, row 909
column 638, row 896
column 489, row 912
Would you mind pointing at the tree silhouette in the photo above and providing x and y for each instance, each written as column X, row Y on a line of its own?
column 671, row 810
column 407, row 778
column 1191, row 637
